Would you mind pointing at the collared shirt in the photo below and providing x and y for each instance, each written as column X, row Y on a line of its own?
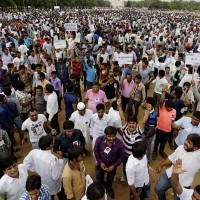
column 146, row 74
column 130, row 138
column 74, row 181
column 40, row 103
column 97, row 126
column 62, row 142
column 137, row 171
column 49, row 68
column 33, row 59
column 23, row 97
column 111, row 157
column 115, row 118
column 82, row 122
column 44, row 194
column 188, row 128
column 138, row 92
column 160, row 84
column 7, row 59
column 151, row 121
column 47, row 166
column 5, row 144
column 95, row 98
column 35, row 128
column 127, row 87
column 190, row 161
column 56, row 84
column 52, row 105
column 186, row 194
column 12, row 188
column 14, row 106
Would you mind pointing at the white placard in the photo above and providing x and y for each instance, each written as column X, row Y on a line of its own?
column 60, row 44
column 125, row 59
column 56, row 7
column 92, row 27
column 192, row 58
column 70, row 26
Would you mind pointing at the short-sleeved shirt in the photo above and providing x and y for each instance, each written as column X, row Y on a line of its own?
column 35, row 129
column 110, row 89
column 95, row 98
column 146, row 74
column 126, row 88
column 165, row 119
column 152, row 121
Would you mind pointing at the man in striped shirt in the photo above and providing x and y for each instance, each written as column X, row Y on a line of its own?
column 131, row 133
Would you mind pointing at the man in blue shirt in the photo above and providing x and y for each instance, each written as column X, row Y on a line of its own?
column 150, row 125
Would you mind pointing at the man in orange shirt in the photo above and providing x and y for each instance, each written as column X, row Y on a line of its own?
column 166, row 116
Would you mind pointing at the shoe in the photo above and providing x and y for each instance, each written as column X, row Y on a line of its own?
column 123, row 178
column 87, row 153
column 111, row 193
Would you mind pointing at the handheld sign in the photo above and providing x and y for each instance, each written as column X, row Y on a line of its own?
column 60, row 44
column 125, row 59
column 70, row 26
column 192, row 58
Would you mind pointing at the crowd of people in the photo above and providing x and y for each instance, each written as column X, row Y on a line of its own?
column 128, row 113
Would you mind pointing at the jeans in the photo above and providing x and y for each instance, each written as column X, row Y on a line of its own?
column 100, row 177
column 161, row 138
column 149, row 142
column 124, row 165
column 163, row 184
column 35, row 145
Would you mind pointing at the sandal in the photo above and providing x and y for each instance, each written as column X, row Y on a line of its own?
column 164, row 155
column 154, row 155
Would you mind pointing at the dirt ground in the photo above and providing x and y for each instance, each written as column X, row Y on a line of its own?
column 121, row 188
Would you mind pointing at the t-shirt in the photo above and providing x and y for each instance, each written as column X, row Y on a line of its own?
column 110, row 89
column 186, row 194
column 35, row 129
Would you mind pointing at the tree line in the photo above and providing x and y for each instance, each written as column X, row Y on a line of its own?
column 157, row 4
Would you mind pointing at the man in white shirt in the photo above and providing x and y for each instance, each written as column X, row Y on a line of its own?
column 190, row 155
column 45, row 164
column 137, row 172
column 12, row 183
column 35, row 126
column 6, row 57
column 18, row 60
column 183, row 193
column 33, row 59
column 52, row 107
column 81, row 118
column 186, row 126
column 98, row 122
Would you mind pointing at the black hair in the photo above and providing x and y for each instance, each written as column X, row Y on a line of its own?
column 196, row 114
column 187, row 84
column 110, row 130
column 10, row 65
column 2, row 96
column 195, row 139
column 161, row 59
column 54, row 72
column 74, row 151
column 95, row 83
column 32, row 110
column 39, row 87
column 128, row 74
column 100, row 106
column 138, row 76
column 132, row 119
column 146, row 62
column 190, row 69
column 167, row 67
column 45, row 142
column 33, row 182
column 67, row 125
column 22, row 67
column 42, row 75
column 21, row 86
column 70, row 87
column 178, row 92
column 169, row 103
column 49, row 88
column 7, row 91
column 95, row 191
column 139, row 149
column 72, row 76
column 114, row 105
column 177, row 63
column 161, row 73
column 7, row 162
column 151, row 101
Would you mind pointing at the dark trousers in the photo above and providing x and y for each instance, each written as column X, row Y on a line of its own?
column 54, row 123
column 125, row 101
column 61, row 195
column 130, row 107
column 161, row 139
column 124, row 165
column 100, row 177
column 59, row 100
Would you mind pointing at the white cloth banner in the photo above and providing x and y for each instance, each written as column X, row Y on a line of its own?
column 192, row 58
column 70, row 26
column 125, row 59
column 60, row 44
